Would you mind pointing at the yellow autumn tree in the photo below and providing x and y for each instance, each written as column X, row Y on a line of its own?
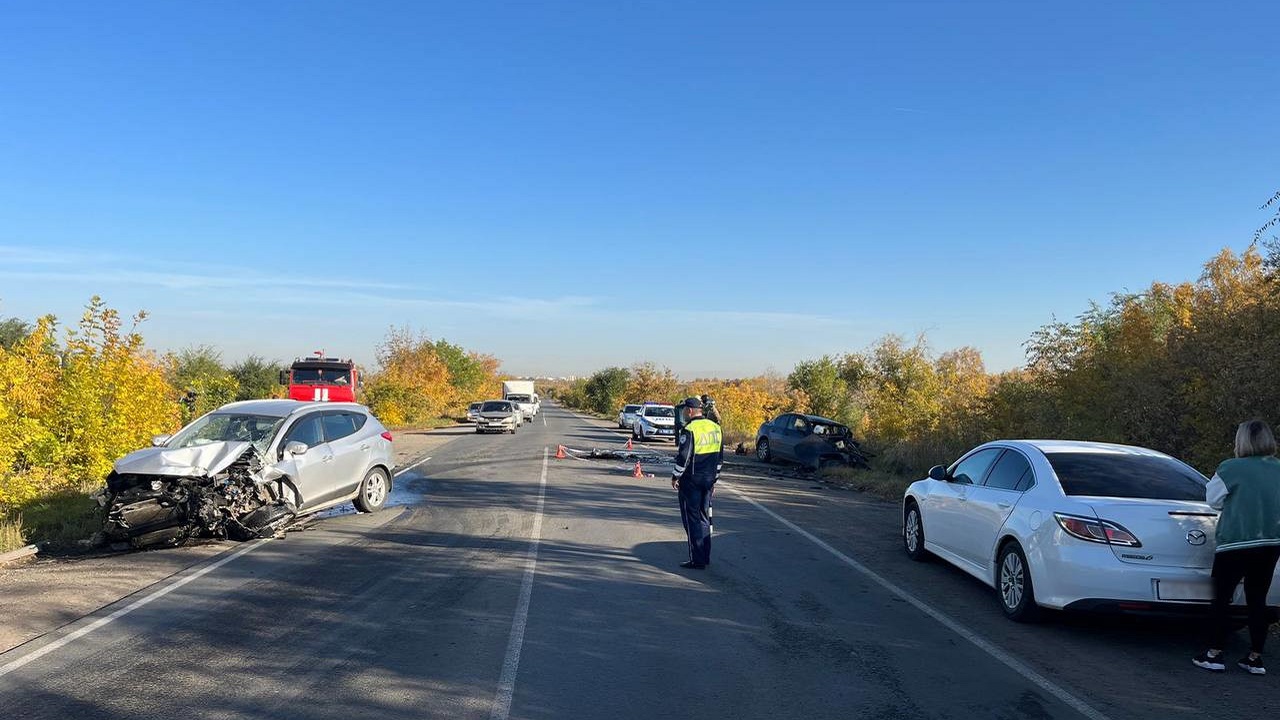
column 649, row 382
column 29, row 375
column 412, row 385
column 68, row 411
column 744, row 405
column 113, row 394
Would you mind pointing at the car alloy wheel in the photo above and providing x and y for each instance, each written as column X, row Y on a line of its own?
column 373, row 491
column 1013, row 583
column 762, row 450
column 913, row 532
column 1013, row 578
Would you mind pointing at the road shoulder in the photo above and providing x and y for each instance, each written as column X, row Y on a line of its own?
column 40, row 595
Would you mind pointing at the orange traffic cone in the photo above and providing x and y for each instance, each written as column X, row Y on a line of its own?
column 628, row 443
column 560, row 452
column 638, row 472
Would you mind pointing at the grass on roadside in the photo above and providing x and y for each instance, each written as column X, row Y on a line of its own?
column 11, row 537
column 59, row 521
column 882, row 484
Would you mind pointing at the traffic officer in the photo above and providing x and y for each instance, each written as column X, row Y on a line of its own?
column 709, row 410
column 698, row 462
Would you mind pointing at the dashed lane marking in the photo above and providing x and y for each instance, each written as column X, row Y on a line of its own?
column 405, row 470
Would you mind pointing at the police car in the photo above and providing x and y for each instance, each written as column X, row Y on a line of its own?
column 654, row 420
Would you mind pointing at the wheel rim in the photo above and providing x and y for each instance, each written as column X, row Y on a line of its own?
column 1012, row 579
column 913, row 530
column 375, row 489
column 762, row 449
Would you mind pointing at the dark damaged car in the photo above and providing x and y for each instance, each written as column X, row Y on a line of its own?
column 247, row 470
column 810, row 440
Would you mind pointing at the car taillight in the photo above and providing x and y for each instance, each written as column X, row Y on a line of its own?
column 386, row 435
column 1094, row 530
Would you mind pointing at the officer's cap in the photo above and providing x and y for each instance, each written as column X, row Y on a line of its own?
column 692, row 402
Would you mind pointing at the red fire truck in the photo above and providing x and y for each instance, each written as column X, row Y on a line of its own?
column 321, row 378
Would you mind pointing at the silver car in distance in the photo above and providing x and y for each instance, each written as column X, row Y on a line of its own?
column 1070, row 525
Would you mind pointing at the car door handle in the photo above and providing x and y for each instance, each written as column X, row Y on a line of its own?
column 364, row 446
column 1004, row 506
column 327, row 458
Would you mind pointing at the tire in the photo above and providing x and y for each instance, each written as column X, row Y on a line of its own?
column 913, row 532
column 1013, row 584
column 373, row 491
column 263, row 522
column 635, row 435
column 763, row 453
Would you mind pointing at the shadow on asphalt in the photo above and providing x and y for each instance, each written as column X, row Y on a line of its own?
column 357, row 621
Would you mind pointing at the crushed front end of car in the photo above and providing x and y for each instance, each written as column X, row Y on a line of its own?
column 165, row 497
column 831, row 445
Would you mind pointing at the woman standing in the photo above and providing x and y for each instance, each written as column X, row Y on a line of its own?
column 1247, row 491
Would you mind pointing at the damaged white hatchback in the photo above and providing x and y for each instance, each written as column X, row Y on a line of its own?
column 246, row 470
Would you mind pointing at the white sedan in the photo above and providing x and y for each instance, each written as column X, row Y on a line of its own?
column 1070, row 525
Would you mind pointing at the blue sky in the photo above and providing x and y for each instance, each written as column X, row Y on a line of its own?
column 720, row 187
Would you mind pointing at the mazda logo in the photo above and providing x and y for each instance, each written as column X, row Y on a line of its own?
column 1196, row 537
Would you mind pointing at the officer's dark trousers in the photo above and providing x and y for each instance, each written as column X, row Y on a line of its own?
column 695, row 513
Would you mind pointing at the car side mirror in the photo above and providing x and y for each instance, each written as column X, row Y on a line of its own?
column 937, row 472
column 284, row 377
column 293, row 447
column 159, row 440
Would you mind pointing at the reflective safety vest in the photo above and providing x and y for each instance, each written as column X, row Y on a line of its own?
column 706, row 436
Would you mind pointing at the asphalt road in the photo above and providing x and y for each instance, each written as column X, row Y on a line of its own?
column 503, row 584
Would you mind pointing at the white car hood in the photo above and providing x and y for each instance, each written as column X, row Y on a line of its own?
column 200, row 460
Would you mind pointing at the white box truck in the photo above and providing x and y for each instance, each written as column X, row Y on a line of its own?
column 523, row 394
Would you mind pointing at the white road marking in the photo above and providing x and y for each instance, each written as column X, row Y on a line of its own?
column 511, row 664
column 146, row 600
column 140, row 602
column 990, row 648
column 405, row 470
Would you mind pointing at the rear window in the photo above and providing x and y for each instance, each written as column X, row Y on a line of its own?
column 1126, row 476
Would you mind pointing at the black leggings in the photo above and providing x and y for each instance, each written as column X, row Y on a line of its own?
column 1255, row 566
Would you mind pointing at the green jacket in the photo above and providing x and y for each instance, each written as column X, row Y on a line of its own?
column 1247, row 490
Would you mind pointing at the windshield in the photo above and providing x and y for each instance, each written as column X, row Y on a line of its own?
column 630, row 408
column 659, row 411
column 228, row 427
column 496, row 406
column 520, row 398
column 321, row 376
column 1121, row 475
column 834, row 430
column 474, row 406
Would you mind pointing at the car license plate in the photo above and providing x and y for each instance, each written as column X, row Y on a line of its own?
column 1183, row 590
column 665, row 432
